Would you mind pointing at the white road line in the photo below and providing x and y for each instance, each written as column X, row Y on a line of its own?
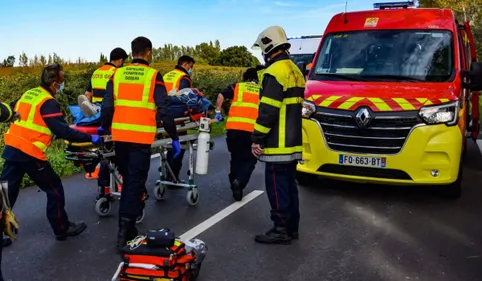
column 479, row 144
column 195, row 231
column 155, row 155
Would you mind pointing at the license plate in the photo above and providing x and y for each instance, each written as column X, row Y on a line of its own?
column 365, row 161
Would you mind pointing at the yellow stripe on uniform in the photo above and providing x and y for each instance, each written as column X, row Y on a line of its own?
column 380, row 104
column 404, row 104
column 350, row 102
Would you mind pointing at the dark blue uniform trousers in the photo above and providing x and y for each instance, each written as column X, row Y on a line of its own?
column 47, row 180
column 243, row 161
column 133, row 161
column 282, row 190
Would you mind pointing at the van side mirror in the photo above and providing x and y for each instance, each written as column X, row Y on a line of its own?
column 302, row 66
column 474, row 77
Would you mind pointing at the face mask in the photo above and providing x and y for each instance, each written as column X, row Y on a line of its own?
column 61, row 88
column 189, row 71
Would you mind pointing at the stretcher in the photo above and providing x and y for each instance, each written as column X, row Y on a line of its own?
column 88, row 156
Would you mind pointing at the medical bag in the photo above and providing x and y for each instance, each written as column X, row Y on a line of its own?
column 157, row 256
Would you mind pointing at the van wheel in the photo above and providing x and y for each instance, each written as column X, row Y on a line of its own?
column 306, row 179
column 454, row 190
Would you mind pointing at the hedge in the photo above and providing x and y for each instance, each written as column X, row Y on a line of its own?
column 15, row 81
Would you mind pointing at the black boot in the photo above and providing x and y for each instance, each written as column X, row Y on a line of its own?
column 294, row 235
column 7, row 241
column 237, row 189
column 73, row 230
column 277, row 235
column 127, row 232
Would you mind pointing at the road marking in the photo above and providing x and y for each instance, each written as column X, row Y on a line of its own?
column 479, row 145
column 200, row 228
column 155, row 155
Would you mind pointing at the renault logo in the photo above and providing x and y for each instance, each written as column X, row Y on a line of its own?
column 363, row 117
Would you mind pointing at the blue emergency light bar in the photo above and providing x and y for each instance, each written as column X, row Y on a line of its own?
column 405, row 4
column 304, row 37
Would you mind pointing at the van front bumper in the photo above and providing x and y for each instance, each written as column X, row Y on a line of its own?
column 431, row 155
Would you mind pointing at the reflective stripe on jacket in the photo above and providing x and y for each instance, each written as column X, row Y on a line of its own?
column 244, row 107
column 99, row 80
column 30, row 134
column 6, row 112
column 172, row 80
column 283, row 141
column 134, row 107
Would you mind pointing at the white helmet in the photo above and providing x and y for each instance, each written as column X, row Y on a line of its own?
column 271, row 38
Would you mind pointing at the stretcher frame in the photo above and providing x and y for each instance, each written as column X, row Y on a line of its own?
column 106, row 154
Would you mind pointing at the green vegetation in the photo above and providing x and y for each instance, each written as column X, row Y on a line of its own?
column 210, row 80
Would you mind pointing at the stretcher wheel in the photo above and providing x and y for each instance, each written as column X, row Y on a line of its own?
column 103, row 206
column 192, row 197
column 159, row 190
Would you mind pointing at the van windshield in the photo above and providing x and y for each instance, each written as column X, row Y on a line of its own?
column 386, row 55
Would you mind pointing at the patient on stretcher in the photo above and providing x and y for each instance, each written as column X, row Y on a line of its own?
column 186, row 102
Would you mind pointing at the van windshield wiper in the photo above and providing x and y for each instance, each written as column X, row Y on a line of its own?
column 341, row 76
column 394, row 77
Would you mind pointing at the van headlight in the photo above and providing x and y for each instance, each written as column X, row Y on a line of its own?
column 440, row 114
column 308, row 110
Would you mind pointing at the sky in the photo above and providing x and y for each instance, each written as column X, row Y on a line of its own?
column 85, row 28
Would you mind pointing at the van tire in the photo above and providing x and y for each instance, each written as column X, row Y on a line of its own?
column 306, row 179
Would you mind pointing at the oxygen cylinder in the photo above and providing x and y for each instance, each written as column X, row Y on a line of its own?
column 203, row 147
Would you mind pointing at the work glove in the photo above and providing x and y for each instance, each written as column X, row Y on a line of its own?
column 176, row 148
column 96, row 139
column 9, row 220
column 218, row 117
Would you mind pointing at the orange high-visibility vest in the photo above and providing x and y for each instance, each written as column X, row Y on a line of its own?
column 30, row 134
column 244, row 107
column 134, row 107
column 99, row 80
column 172, row 79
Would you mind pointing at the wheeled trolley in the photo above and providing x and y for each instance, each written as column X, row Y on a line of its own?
column 88, row 156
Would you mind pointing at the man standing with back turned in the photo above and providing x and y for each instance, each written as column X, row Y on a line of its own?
column 129, row 108
column 277, row 136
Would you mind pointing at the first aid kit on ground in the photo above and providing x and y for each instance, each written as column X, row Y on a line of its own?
column 160, row 256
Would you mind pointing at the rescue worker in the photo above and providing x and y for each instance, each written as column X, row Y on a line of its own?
column 27, row 140
column 239, row 127
column 177, row 79
column 7, row 114
column 277, row 136
column 129, row 110
column 260, row 69
column 95, row 92
column 91, row 101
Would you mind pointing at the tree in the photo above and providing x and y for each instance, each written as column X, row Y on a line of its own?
column 23, row 60
column 8, row 62
column 237, row 56
column 103, row 59
column 464, row 10
column 42, row 60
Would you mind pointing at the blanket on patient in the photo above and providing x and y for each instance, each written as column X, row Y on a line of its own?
column 183, row 103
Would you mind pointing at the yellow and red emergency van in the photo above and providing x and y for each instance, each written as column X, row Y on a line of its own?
column 388, row 99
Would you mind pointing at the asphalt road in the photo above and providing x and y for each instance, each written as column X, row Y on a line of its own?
column 348, row 232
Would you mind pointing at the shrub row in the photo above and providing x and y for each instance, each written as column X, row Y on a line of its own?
column 15, row 81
